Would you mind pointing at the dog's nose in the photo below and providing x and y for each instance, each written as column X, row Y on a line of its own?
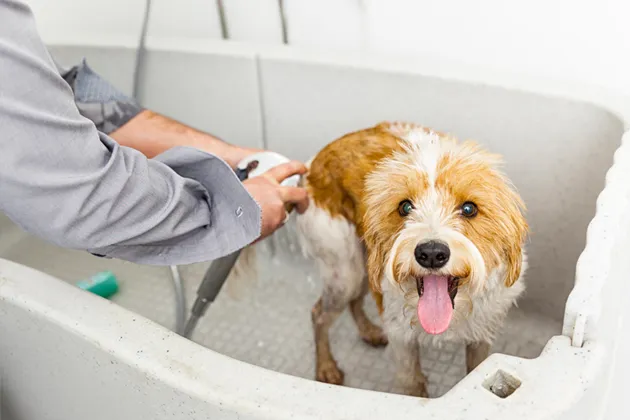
column 432, row 254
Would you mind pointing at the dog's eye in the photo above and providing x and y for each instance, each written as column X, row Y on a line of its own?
column 405, row 207
column 469, row 209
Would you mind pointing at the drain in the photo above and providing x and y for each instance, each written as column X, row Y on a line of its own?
column 502, row 384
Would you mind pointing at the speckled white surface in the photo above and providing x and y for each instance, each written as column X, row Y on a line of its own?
column 270, row 325
column 69, row 356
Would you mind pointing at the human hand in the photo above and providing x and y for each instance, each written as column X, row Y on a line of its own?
column 275, row 200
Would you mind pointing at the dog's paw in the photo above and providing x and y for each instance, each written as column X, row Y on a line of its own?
column 374, row 336
column 329, row 373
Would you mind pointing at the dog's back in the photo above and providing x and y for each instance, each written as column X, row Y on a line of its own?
column 336, row 176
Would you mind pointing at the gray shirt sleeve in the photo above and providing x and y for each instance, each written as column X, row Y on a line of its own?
column 97, row 100
column 64, row 181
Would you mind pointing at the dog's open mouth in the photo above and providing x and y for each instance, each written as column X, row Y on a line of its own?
column 436, row 301
column 453, row 282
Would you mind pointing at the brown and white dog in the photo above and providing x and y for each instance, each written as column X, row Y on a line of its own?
column 430, row 225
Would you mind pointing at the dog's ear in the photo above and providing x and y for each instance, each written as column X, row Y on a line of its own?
column 375, row 266
column 514, row 258
column 375, row 255
column 514, row 250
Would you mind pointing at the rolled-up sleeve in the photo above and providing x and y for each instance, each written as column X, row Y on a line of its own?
column 97, row 100
column 64, row 181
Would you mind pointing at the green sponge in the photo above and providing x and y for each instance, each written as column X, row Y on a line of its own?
column 103, row 284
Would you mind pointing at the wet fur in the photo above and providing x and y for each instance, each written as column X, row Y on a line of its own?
column 352, row 230
column 360, row 243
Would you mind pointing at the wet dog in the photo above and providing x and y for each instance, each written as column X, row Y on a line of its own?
column 430, row 225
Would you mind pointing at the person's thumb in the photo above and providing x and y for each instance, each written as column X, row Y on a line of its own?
column 281, row 172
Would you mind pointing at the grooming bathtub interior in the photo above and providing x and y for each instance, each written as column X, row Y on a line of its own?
column 68, row 353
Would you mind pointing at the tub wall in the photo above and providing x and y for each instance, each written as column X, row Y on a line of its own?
column 556, row 151
column 260, row 98
column 148, row 384
column 278, row 103
column 519, row 35
column 256, row 97
column 218, row 93
column 67, row 355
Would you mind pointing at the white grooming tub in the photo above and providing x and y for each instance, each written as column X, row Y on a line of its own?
column 69, row 355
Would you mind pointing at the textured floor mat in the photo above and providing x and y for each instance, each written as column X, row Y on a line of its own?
column 270, row 325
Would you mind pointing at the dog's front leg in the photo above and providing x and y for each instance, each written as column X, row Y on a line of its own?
column 406, row 353
column 475, row 354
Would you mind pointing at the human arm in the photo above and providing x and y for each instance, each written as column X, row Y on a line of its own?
column 132, row 125
column 62, row 180
column 153, row 133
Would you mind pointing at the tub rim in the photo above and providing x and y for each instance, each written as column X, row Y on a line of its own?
column 575, row 320
column 217, row 379
column 577, row 315
column 421, row 64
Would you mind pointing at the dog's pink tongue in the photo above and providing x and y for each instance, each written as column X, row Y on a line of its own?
column 435, row 308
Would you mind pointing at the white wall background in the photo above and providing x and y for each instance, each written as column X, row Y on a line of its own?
column 582, row 40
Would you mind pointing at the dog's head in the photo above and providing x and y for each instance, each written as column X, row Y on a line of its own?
column 440, row 217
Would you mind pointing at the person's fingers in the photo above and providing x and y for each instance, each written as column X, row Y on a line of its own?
column 292, row 194
column 281, row 172
column 295, row 195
